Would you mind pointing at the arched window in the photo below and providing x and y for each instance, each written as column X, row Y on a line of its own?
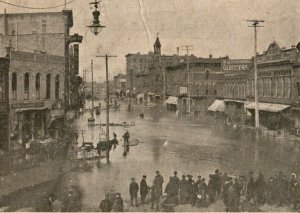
column 57, row 82
column 37, row 85
column 14, row 85
column 48, row 86
column 26, row 86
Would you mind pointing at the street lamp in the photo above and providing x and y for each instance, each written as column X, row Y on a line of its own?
column 96, row 27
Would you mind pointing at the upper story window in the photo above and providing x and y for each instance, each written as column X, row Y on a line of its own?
column 57, row 86
column 206, row 74
column 2, row 87
column 37, row 85
column 48, row 86
column 26, row 86
column 14, row 85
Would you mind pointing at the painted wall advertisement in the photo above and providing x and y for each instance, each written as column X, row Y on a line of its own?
column 236, row 64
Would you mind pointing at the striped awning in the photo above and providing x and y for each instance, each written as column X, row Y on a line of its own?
column 217, row 106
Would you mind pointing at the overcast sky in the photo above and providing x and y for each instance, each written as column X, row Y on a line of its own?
column 216, row 27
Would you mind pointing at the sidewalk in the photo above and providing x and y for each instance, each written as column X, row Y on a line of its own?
column 47, row 171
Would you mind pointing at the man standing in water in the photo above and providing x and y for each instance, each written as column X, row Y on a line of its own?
column 126, row 137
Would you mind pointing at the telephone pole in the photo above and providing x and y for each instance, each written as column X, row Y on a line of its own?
column 255, row 25
column 187, row 48
column 92, row 119
column 107, row 100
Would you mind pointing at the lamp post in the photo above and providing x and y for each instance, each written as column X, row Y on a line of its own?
column 96, row 27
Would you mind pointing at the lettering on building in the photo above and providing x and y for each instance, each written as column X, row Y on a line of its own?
column 236, row 64
column 27, row 105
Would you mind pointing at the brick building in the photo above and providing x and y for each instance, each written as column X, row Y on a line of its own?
column 205, row 84
column 278, row 88
column 145, row 72
column 35, row 61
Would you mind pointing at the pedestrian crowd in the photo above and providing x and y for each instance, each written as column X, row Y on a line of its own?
column 243, row 193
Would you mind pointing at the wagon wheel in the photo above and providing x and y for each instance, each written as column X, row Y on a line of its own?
column 91, row 154
column 84, row 154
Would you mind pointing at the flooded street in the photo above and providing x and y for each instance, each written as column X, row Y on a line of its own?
column 167, row 145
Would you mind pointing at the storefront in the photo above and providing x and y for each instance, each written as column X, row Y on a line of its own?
column 273, row 116
column 172, row 103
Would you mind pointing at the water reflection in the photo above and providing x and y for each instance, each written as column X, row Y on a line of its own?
column 174, row 144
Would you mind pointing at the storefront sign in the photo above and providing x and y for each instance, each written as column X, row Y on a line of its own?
column 27, row 105
column 75, row 38
column 76, row 58
column 236, row 64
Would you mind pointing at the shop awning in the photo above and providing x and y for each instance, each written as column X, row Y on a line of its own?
column 217, row 106
column 269, row 107
column 31, row 109
column 233, row 100
column 55, row 114
column 172, row 100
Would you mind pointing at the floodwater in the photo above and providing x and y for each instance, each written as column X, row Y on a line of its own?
column 167, row 145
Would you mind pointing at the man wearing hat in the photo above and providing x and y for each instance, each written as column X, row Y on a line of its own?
column 118, row 205
column 158, row 182
column 144, row 188
column 133, row 191
column 106, row 205
column 183, row 190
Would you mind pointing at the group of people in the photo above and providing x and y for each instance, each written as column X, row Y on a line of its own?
column 243, row 193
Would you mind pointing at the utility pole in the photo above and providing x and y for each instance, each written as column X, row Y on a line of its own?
column 187, row 48
column 92, row 119
column 255, row 25
column 44, row 32
column 107, row 100
column 256, row 144
column 17, row 37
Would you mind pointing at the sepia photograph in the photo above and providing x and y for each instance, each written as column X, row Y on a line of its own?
column 149, row 105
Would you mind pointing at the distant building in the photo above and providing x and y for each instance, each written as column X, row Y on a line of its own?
column 119, row 84
column 205, row 77
column 144, row 72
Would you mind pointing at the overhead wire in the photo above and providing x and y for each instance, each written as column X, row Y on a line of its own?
column 37, row 8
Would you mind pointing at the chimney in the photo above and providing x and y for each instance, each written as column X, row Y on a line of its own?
column 210, row 56
column 177, row 50
column 5, row 22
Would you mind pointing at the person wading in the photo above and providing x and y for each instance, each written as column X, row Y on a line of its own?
column 144, row 188
column 133, row 190
column 126, row 137
column 158, row 183
column 106, row 205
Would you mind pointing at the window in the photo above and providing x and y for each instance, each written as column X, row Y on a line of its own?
column 57, row 82
column 14, row 84
column 206, row 74
column 288, row 87
column 48, row 86
column 2, row 88
column 37, row 85
column 26, row 86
